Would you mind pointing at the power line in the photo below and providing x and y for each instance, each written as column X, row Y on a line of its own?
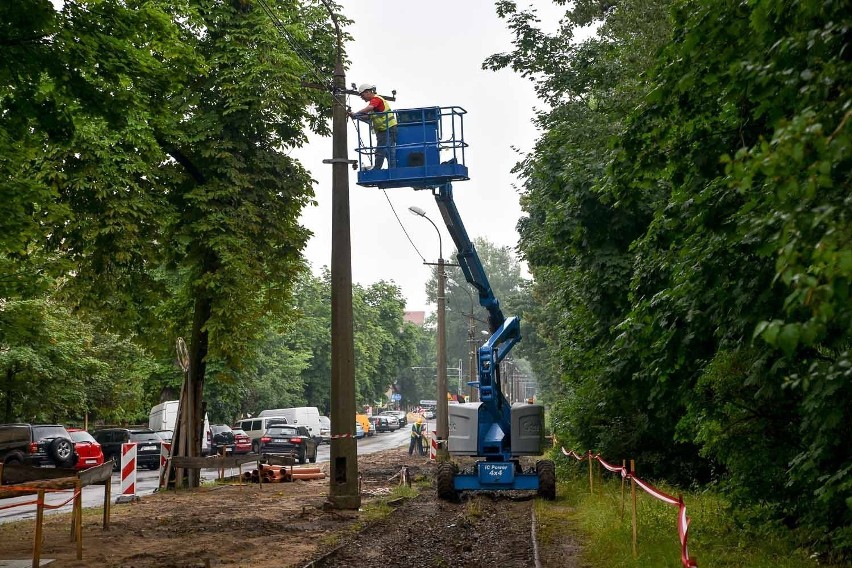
column 398, row 220
column 291, row 41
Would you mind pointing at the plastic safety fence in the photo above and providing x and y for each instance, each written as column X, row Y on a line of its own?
column 38, row 501
column 682, row 519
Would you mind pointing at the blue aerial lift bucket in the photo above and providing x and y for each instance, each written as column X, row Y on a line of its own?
column 429, row 150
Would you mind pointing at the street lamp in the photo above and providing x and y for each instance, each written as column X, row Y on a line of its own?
column 443, row 427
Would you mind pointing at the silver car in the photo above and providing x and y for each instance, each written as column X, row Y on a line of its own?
column 393, row 421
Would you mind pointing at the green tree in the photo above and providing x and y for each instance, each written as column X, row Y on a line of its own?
column 56, row 368
column 690, row 193
column 163, row 127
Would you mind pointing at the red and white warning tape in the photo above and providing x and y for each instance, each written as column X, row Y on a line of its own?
column 336, row 436
column 682, row 519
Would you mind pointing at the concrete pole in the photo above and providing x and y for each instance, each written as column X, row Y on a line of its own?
column 343, row 490
column 443, row 410
column 471, row 343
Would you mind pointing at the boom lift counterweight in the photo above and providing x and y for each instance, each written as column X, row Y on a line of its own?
column 492, row 429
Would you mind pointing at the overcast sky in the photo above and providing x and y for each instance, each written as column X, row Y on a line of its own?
column 431, row 53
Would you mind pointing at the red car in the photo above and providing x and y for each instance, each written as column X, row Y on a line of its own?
column 243, row 442
column 88, row 449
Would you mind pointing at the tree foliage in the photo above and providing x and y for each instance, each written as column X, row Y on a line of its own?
column 688, row 229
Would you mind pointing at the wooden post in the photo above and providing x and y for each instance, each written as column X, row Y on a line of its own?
column 107, row 502
column 78, row 502
column 623, row 465
column 591, row 475
column 39, row 521
column 633, row 494
column 74, row 517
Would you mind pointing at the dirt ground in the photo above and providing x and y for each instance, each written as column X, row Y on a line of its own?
column 286, row 525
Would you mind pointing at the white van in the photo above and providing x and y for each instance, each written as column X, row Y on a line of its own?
column 256, row 427
column 164, row 417
column 307, row 416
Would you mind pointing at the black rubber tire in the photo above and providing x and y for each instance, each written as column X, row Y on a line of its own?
column 444, row 482
column 15, row 458
column 61, row 450
column 302, row 457
column 546, row 471
column 313, row 459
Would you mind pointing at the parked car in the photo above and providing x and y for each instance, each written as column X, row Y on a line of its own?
column 325, row 429
column 220, row 438
column 359, row 431
column 429, row 414
column 39, row 445
column 148, row 445
column 401, row 416
column 257, row 427
column 289, row 440
column 88, row 449
column 242, row 442
column 364, row 421
column 393, row 421
column 380, row 423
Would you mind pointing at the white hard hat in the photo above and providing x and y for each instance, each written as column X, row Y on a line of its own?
column 365, row 87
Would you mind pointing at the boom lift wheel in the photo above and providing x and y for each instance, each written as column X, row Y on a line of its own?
column 546, row 471
column 444, row 479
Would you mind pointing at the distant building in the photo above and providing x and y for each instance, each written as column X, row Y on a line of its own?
column 417, row 318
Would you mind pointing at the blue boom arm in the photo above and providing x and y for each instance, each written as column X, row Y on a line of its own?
column 468, row 259
column 505, row 333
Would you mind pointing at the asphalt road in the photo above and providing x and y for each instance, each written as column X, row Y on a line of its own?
column 147, row 481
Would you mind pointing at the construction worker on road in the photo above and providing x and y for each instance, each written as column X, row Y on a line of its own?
column 384, row 125
column 417, row 430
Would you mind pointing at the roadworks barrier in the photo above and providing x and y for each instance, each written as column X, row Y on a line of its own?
column 630, row 475
column 28, row 480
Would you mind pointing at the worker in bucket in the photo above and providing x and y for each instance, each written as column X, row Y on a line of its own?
column 384, row 125
column 417, row 430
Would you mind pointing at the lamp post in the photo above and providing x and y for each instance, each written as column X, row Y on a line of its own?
column 343, row 490
column 443, row 428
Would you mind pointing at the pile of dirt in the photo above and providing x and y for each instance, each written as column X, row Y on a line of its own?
column 286, row 525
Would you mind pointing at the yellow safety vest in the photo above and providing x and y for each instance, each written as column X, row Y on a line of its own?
column 382, row 121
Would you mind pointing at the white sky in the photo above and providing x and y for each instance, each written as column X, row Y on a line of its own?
column 431, row 53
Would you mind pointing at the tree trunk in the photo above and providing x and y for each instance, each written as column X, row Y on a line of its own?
column 198, row 348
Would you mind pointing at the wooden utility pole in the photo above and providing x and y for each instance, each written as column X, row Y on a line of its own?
column 343, row 490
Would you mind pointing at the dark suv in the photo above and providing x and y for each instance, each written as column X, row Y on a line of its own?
column 147, row 441
column 219, row 437
column 283, row 439
column 40, row 445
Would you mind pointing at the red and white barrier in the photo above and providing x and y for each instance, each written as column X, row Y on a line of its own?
column 682, row 519
column 165, row 454
column 128, row 469
column 433, row 446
